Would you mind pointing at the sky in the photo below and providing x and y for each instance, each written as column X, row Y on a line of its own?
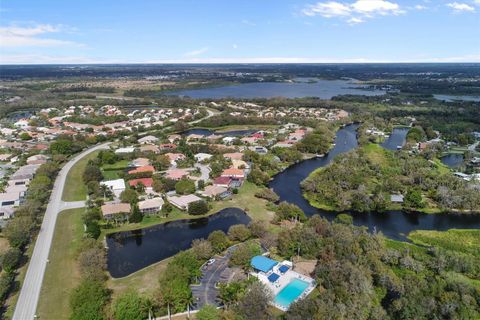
column 238, row 31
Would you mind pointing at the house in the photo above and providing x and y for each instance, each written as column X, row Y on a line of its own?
column 116, row 186
column 110, row 210
column 233, row 173
column 202, row 157
column 6, row 213
column 125, row 150
column 233, row 156
column 396, row 198
column 168, row 146
column 216, row 190
column 182, row 202
column 240, row 164
column 229, row 140
column 227, row 182
column 11, row 199
column 259, row 149
column 174, row 137
column 147, row 182
column 249, row 140
column 37, row 159
column 174, row 157
column 194, row 136
column 5, row 157
column 148, row 140
column 176, row 174
column 151, row 206
column 149, row 148
column 142, row 169
column 140, row 162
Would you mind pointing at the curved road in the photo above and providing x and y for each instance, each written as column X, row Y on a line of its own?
column 30, row 292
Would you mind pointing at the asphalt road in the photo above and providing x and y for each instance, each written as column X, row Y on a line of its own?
column 30, row 292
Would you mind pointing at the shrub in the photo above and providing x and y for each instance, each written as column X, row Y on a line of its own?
column 198, row 207
column 10, row 259
column 88, row 300
column 185, row 186
column 238, row 232
column 219, row 241
column 267, row 194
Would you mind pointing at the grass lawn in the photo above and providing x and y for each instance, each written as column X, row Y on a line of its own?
column 143, row 281
column 111, row 174
column 465, row 241
column 246, row 200
column 119, row 165
column 62, row 274
column 75, row 189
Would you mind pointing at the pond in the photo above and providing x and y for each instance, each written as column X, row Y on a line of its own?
column 452, row 160
column 130, row 251
column 324, row 89
column 396, row 139
column 452, row 98
column 393, row 224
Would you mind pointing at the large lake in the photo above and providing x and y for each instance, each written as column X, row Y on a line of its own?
column 451, row 98
column 130, row 251
column 324, row 89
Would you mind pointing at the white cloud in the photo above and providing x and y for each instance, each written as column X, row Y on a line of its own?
column 196, row 52
column 420, row 7
column 30, row 36
column 460, row 7
column 234, row 46
column 354, row 12
column 249, row 23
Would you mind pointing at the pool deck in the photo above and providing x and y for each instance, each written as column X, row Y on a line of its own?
column 283, row 281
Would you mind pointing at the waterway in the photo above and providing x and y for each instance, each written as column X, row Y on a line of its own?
column 396, row 139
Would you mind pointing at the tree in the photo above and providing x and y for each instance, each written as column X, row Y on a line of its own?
column 198, row 207
column 238, row 232
column 185, row 186
column 291, row 211
column 267, row 194
column 129, row 196
column 208, row 312
column 202, row 249
column 61, row 147
column 92, row 260
column 219, row 241
column 201, row 184
column 10, row 259
column 344, row 218
column 162, row 162
column 18, row 231
column 413, row 199
column 92, row 173
column 88, row 299
column 136, row 216
column 258, row 177
column 255, row 302
column 131, row 306
column 25, row 136
column 243, row 254
column 257, row 228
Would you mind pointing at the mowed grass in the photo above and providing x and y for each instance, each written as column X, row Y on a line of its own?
column 62, row 274
column 465, row 241
column 75, row 189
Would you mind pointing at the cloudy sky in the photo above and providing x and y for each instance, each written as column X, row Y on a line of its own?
column 147, row 31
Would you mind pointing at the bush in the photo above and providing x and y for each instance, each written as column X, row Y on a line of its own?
column 10, row 259
column 257, row 228
column 219, row 241
column 344, row 218
column 129, row 196
column 136, row 216
column 267, row 194
column 88, row 300
column 185, row 186
column 243, row 254
column 6, row 281
column 198, row 207
column 208, row 312
column 131, row 306
column 238, row 232
column 202, row 249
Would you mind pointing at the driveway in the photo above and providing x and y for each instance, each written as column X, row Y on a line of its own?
column 206, row 292
column 30, row 291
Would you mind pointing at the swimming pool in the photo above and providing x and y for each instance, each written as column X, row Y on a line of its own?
column 291, row 292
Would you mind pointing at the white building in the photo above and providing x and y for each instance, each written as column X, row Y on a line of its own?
column 116, row 186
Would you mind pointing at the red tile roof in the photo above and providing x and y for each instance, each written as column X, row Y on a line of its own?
column 147, row 182
column 142, row 169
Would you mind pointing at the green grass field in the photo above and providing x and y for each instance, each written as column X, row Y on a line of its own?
column 465, row 241
column 75, row 189
column 62, row 274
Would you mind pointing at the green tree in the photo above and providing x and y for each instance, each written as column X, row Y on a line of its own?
column 238, row 232
column 185, row 186
column 202, row 249
column 10, row 259
column 131, row 306
column 129, row 196
column 255, row 303
column 413, row 199
column 208, row 312
column 88, row 300
column 61, row 147
column 198, row 207
column 344, row 218
column 219, row 241
column 243, row 254
column 25, row 136
column 136, row 216
column 92, row 173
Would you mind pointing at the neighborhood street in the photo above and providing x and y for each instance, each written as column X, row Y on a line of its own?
column 30, row 291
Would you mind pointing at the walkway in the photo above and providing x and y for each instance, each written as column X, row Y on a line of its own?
column 30, row 292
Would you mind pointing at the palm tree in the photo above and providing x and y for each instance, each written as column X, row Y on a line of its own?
column 190, row 300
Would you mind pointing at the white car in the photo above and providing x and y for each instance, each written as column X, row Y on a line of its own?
column 211, row 261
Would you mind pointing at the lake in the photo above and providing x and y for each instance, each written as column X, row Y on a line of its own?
column 452, row 160
column 393, row 224
column 397, row 138
column 130, row 251
column 324, row 89
column 451, row 98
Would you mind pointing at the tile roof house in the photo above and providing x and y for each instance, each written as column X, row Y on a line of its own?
column 148, row 139
column 147, row 182
column 140, row 162
column 233, row 173
column 149, row 148
column 37, row 159
column 142, row 169
column 111, row 209
column 233, row 156
column 214, row 191
column 176, row 174
column 174, row 157
column 182, row 202
column 150, row 206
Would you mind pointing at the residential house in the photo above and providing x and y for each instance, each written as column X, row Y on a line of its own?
column 142, row 169
column 116, row 186
column 140, row 162
column 125, row 150
column 147, row 183
column 183, row 202
column 176, row 174
column 37, row 159
column 233, row 173
column 151, row 206
column 214, row 191
column 148, row 140
column 112, row 210
column 233, row 156
column 149, row 148
column 174, row 157
column 202, row 157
